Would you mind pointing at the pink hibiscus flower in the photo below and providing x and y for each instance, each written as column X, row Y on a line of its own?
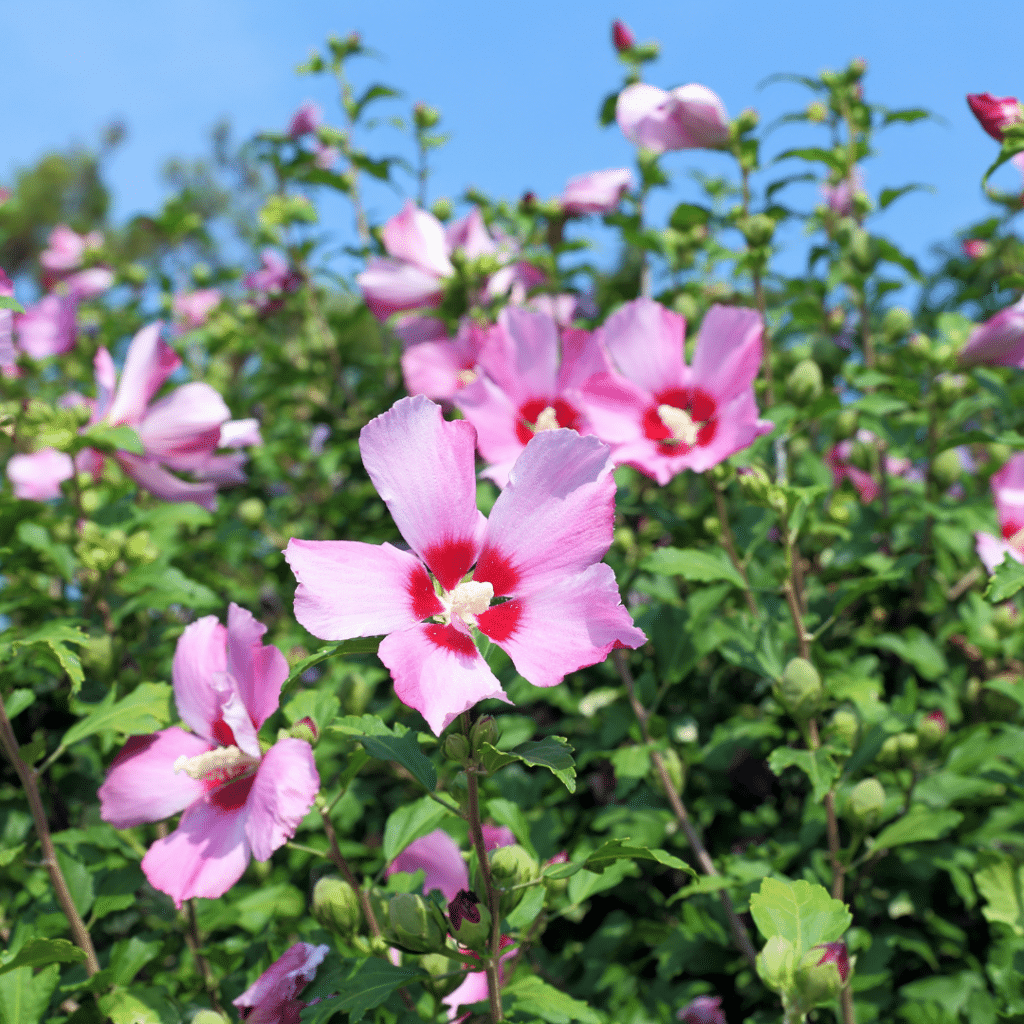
column 526, row 385
column 66, row 249
column 702, row 1010
column 839, row 195
column 237, row 801
column 273, row 997
column 272, row 281
column 306, row 119
column 690, row 117
column 663, row 416
column 999, row 341
column 541, row 549
column 434, row 364
column 49, row 327
column 597, row 192
column 193, row 309
column 37, row 477
column 1008, row 491
column 995, row 113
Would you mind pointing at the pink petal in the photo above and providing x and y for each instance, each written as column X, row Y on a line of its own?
column 570, row 624
column 496, row 836
column 645, row 342
column 187, row 422
column 192, row 309
column 414, row 330
column 727, row 355
column 582, row 358
column 306, row 119
column 240, row 434
column 554, row 518
column 440, row 858
column 700, row 116
column 494, row 415
column 48, row 328
column 438, row 671
column 150, row 361
column 417, row 237
column 200, row 662
column 151, row 476
column 106, row 382
column 284, row 790
column 470, row 235
column 142, row 784
column 597, row 192
column 615, row 408
column 434, row 369
column 390, row 286
column 65, row 248
column 221, row 470
column 992, row 551
column 204, row 856
column 282, row 981
column 37, row 477
column 472, row 990
column 348, row 588
column 643, row 112
column 87, row 284
column 999, row 341
column 423, row 468
column 259, row 670
column 521, row 354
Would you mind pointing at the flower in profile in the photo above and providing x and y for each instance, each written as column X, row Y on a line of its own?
column 193, row 309
column 596, row 192
column 663, row 416
column 999, row 341
column 839, row 195
column 1008, row 491
column 689, row 117
column 995, row 113
column 558, row 607
column 238, row 802
column 306, row 119
column 529, row 375
column 702, row 1010
column 66, row 249
column 273, row 997
column 37, row 477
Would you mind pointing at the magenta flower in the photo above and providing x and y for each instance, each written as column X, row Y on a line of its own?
column 435, row 365
column 995, row 113
column 49, row 327
column 306, row 119
column 690, row 117
column 622, row 36
column 597, row 192
column 839, row 195
column 1008, row 491
column 975, row 248
column 999, row 341
column 272, row 281
column 238, row 802
column 526, row 386
column 702, row 1010
column 193, row 309
column 541, row 549
column 836, row 953
column 8, row 350
column 273, row 997
column 837, row 458
column 663, row 416
column 37, row 477
column 66, row 249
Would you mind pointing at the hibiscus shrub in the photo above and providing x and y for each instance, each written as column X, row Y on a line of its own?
column 499, row 634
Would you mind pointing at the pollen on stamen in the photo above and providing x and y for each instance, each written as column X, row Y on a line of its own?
column 547, row 420
column 217, row 765
column 679, row 422
column 466, row 377
column 471, row 598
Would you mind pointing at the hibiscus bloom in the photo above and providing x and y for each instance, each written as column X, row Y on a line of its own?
column 434, row 364
column 541, row 549
column 527, row 385
column 238, row 802
column 273, row 997
column 597, row 192
column 1008, row 491
column 690, row 117
column 839, row 195
column 999, row 341
column 306, row 119
column 192, row 309
column 38, row 477
column 995, row 113
column 48, row 327
column 663, row 416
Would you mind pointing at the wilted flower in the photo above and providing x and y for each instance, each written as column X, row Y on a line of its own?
column 689, row 117
column 273, row 997
column 995, row 113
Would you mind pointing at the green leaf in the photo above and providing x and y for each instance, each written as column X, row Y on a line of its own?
column 818, row 765
column 366, row 986
column 140, row 1006
column 552, row 752
column 1007, row 579
column 623, row 849
column 389, row 745
column 1002, row 887
column 509, row 814
column 7, row 302
column 157, row 586
column 918, row 825
column 79, row 880
column 888, row 196
column 145, row 710
column 40, row 953
column 916, row 648
column 109, row 440
column 408, row 823
column 801, row 912
column 699, row 566
column 37, row 537
column 585, row 884
column 529, row 909
column 18, row 701
column 533, row 997
column 24, row 996
column 360, row 645
column 687, row 215
column 55, row 635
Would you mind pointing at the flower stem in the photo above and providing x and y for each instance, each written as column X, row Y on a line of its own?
column 739, row 932
column 342, row 865
column 80, row 934
column 730, row 542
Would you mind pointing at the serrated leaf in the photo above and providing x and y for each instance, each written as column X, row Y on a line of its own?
column 37, row 537
column 408, row 823
column 918, row 825
column 40, row 952
column 1005, row 581
column 145, row 710
column 818, row 765
column 140, row 1006
column 1002, row 887
column 389, row 745
column 534, row 997
column 360, row 645
column 623, row 849
column 801, row 912
column 692, row 564
column 54, row 635
column 367, row 986
column 552, row 752
column 916, row 648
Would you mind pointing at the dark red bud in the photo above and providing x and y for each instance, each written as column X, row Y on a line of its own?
column 463, row 907
column 994, row 113
column 702, row 1010
column 939, row 719
column 311, row 725
column 622, row 36
column 836, row 953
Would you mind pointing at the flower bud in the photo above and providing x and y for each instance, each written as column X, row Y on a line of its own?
column 754, row 483
column 897, row 322
column 931, row 729
column 437, row 966
column 863, row 253
column 470, row 920
column 920, row 344
column 799, row 690
column 305, row 729
column 675, row 769
column 442, row 209
column 995, row 113
column 775, row 964
column 747, row 120
column 416, row 924
column 822, row 972
column 846, row 424
column 804, row 383
column 757, row 230
column 947, row 468
column 622, row 36
column 336, row 907
column 456, row 748
column 209, row 1017
column 512, row 866
column 844, row 725
column 817, row 112
column 251, row 511
column 485, row 730
column 950, row 386
column 425, row 117
column 866, row 802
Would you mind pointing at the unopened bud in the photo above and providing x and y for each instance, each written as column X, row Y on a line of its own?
column 866, row 802
column 846, row 424
column 443, row 974
column 817, row 112
column 485, row 730
column 442, row 209
column 305, row 729
column 862, row 251
column 844, row 726
column 920, row 344
column 470, row 920
column 775, row 963
column 947, row 468
column 336, row 907
column 425, row 117
column 622, row 36
column 251, row 511
column 897, row 322
column 799, row 690
column 932, row 728
column 416, row 923
column 512, row 866
column 950, row 386
column 822, row 972
column 747, row 120
column 754, row 482
column 757, row 230
column 456, row 748
column 804, row 383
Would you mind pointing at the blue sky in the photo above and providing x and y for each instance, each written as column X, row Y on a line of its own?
column 519, row 83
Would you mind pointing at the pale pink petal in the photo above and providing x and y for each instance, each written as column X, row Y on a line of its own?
column 286, row 786
column 258, row 669
column 37, row 477
column 417, row 237
column 560, row 308
column 200, row 662
column 436, row 369
column 596, row 192
column 521, row 354
column 221, row 470
column 87, row 284
column 1007, row 486
column 150, row 361
column 142, row 784
column 186, row 422
column 615, row 408
column 441, row 860
column 106, row 382
column 472, row 990
column 999, row 341
column 992, row 551
column 414, row 330
column 701, row 117
column 554, row 518
column 48, row 328
column 470, row 235
column 572, row 623
column 423, row 468
column 151, row 476
column 438, row 671
column 283, row 980
column 495, row 417
column 867, row 486
column 206, row 854
column 582, row 358
column 65, row 248
column 645, row 342
column 390, row 286
column 349, row 589
column 496, row 836
column 727, row 355
column 643, row 112
column 192, row 309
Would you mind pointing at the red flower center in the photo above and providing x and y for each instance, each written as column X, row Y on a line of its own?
column 696, row 404
column 529, row 413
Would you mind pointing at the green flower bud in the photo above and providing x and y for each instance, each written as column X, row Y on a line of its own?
column 846, row 424
column 485, row 730
column 947, row 468
column 817, row 112
column 844, row 725
column 821, row 974
column 685, row 305
column 336, row 907
column 799, row 690
column 512, row 866
column 775, row 964
column 949, row 387
column 251, row 511
column 425, row 117
column 456, row 748
column 755, row 484
column 866, row 802
column 442, row 209
column 437, row 966
column 804, row 383
column 747, row 120
column 908, row 744
column 1006, row 619
column 839, row 510
column 897, row 323
column 863, row 253
column 889, row 753
column 416, row 924
column 470, row 920
column 209, row 1017
column 931, row 729
column 757, row 230
column 713, row 527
